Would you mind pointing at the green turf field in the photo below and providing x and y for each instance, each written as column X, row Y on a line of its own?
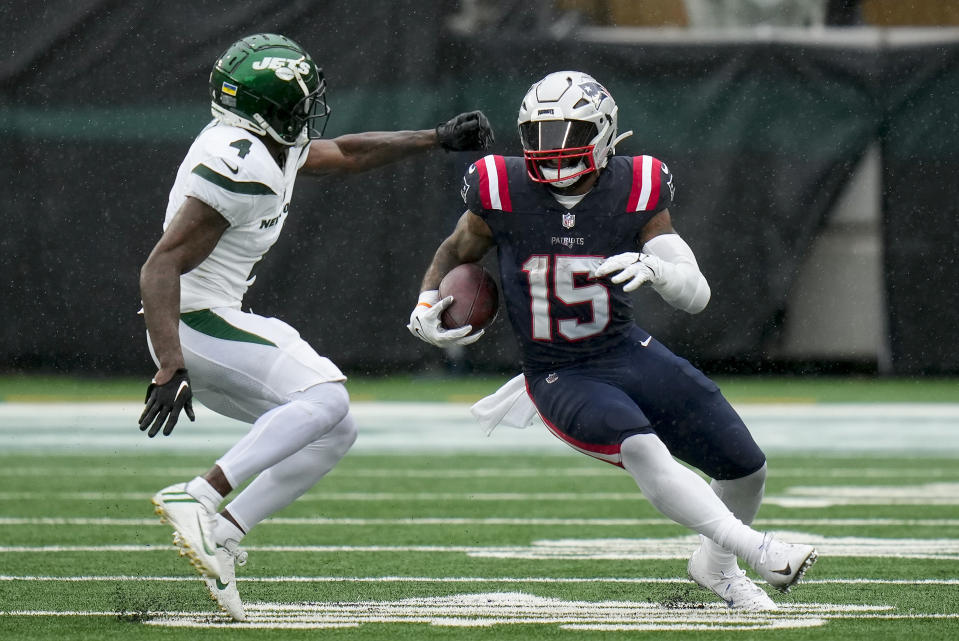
column 498, row 545
column 464, row 547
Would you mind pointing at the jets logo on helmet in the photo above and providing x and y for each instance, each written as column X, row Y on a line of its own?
column 567, row 124
column 285, row 65
column 268, row 84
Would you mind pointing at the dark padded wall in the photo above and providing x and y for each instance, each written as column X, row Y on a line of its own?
column 99, row 101
column 920, row 202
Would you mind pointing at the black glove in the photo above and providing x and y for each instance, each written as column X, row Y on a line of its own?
column 465, row 132
column 164, row 402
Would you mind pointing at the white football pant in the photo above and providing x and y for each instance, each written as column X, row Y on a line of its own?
column 258, row 370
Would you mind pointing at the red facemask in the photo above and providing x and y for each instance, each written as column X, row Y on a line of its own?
column 558, row 151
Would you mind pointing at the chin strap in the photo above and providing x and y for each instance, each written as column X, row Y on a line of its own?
column 261, row 127
column 565, row 182
column 268, row 128
column 229, row 118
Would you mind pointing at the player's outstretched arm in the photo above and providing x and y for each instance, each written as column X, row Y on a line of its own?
column 354, row 153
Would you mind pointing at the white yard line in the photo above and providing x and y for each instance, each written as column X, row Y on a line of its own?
column 576, row 549
column 437, row 472
column 502, row 608
column 354, row 496
column 498, row 521
column 945, row 493
column 447, row 579
column 390, row 427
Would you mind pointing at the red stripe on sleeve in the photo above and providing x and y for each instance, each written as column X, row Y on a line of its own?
column 503, row 184
column 656, row 175
column 483, row 184
column 637, row 183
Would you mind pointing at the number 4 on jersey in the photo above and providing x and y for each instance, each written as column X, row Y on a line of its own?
column 242, row 147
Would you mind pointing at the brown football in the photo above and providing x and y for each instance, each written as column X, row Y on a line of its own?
column 475, row 297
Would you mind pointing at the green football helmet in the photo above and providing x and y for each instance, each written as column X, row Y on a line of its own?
column 268, row 84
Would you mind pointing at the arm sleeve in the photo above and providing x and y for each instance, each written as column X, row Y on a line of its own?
column 678, row 279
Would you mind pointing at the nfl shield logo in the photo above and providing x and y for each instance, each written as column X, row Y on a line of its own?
column 569, row 220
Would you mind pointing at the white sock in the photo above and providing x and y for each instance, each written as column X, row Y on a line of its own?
column 285, row 430
column 226, row 531
column 743, row 496
column 200, row 489
column 683, row 495
column 280, row 485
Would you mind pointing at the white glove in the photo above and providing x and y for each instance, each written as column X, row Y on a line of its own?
column 632, row 266
column 425, row 322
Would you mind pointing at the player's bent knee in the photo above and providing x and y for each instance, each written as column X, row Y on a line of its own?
column 337, row 441
column 645, row 445
column 749, row 468
column 757, row 477
column 645, row 450
column 329, row 401
column 346, row 433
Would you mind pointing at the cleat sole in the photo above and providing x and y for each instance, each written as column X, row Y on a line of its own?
column 183, row 548
column 808, row 563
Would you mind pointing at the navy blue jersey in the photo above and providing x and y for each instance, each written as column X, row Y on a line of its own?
column 560, row 315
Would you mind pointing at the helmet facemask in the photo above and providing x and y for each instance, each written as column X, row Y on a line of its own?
column 297, row 125
column 558, row 151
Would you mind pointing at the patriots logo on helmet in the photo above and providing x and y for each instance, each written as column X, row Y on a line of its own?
column 595, row 92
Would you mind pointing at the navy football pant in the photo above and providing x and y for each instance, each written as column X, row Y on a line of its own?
column 634, row 389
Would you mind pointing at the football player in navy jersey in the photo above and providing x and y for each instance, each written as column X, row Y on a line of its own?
column 576, row 228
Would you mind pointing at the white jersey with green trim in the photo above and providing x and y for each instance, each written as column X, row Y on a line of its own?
column 232, row 171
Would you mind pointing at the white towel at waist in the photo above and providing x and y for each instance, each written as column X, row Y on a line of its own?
column 510, row 405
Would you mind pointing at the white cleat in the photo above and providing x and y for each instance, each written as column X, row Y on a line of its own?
column 223, row 590
column 735, row 588
column 192, row 527
column 783, row 565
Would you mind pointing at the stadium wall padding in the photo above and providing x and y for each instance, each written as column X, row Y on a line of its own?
column 99, row 101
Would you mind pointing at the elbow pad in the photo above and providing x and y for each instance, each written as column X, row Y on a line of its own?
column 677, row 279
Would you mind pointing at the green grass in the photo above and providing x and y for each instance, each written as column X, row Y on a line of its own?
column 471, row 388
column 109, row 493
column 421, row 503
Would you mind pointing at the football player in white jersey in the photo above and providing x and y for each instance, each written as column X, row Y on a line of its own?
column 227, row 207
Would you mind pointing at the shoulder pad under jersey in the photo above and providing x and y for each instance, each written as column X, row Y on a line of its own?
column 235, row 160
column 486, row 185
